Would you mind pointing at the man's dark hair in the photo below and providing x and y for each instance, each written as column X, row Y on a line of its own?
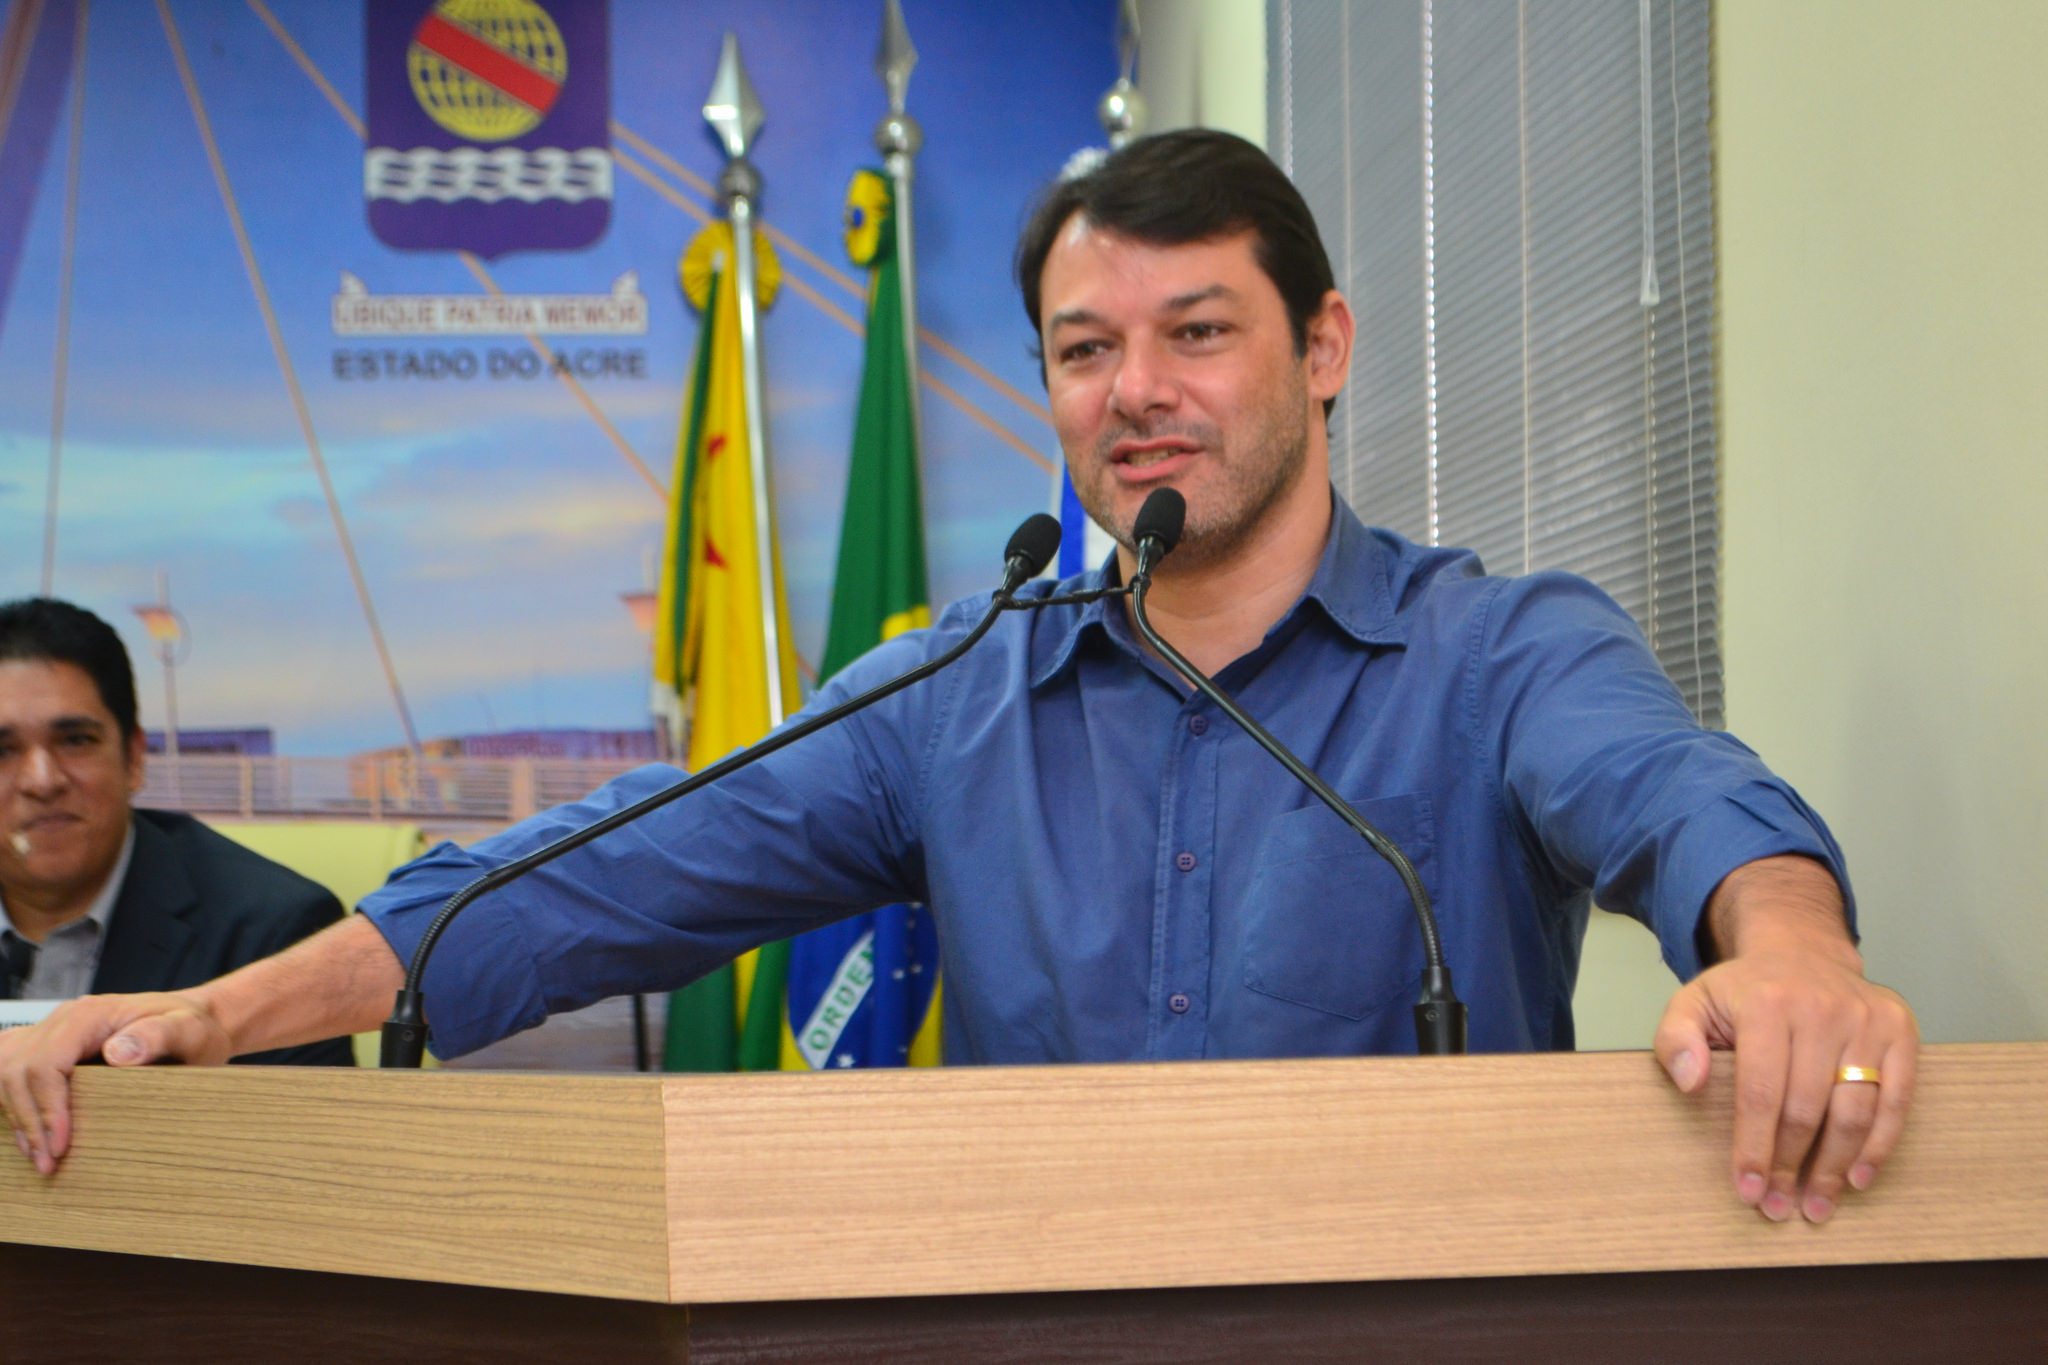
column 1191, row 185
column 44, row 630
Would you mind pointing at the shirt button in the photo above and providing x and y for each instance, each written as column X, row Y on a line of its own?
column 1178, row 1003
column 1184, row 861
column 1199, row 725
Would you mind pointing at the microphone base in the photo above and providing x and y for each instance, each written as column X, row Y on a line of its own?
column 1439, row 1016
column 1440, row 1028
column 403, row 1042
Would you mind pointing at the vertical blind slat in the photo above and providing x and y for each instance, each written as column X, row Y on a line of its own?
column 1574, row 426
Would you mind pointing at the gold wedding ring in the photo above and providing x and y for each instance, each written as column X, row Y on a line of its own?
column 1865, row 1074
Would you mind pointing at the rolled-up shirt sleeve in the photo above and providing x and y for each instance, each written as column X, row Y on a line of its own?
column 818, row 831
column 1611, row 781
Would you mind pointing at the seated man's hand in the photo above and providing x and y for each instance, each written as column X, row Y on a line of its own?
column 128, row 1030
column 1789, row 997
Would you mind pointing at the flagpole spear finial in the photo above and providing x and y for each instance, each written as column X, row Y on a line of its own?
column 895, row 58
column 734, row 112
column 1122, row 110
column 898, row 138
column 732, row 108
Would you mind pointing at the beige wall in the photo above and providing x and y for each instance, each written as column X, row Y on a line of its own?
column 1202, row 63
column 1881, row 172
column 1882, row 169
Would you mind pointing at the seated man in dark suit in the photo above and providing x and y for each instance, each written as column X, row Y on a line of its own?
column 96, row 896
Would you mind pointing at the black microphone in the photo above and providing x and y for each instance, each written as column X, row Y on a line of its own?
column 1440, row 1015
column 1031, row 548
column 1157, row 530
column 404, row 1040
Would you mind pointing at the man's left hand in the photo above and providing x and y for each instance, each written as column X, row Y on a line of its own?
column 1790, row 999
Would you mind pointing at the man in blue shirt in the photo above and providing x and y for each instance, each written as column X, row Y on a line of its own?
column 1116, row 871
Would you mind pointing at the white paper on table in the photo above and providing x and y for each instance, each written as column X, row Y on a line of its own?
column 15, row 1013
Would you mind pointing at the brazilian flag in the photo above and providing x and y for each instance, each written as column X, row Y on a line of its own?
column 864, row 992
column 880, row 588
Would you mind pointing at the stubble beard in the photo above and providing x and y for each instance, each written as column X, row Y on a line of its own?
column 1239, row 497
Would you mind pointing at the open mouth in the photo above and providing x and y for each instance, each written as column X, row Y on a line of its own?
column 1144, row 460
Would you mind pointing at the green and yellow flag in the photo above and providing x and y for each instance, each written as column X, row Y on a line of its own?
column 710, row 654
column 879, row 591
column 864, row 991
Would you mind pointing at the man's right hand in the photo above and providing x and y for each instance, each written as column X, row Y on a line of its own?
column 128, row 1030
column 339, row 981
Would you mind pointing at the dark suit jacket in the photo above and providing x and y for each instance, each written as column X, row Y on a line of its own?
column 195, row 905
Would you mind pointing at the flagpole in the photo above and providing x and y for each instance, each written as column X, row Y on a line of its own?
column 734, row 113
column 898, row 137
column 1122, row 110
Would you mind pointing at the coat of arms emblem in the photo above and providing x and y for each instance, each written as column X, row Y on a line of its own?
column 487, row 124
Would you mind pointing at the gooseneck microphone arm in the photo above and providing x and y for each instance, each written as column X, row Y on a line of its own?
column 404, row 1037
column 1439, row 1015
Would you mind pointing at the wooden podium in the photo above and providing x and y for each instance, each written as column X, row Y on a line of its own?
column 1479, row 1208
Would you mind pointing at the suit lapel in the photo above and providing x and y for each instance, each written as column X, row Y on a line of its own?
column 147, row 933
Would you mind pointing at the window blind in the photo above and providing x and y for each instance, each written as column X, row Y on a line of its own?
column 1518, row 202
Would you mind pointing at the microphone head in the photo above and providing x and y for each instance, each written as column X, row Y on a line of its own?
column 1035, row 543
column 1161, row 519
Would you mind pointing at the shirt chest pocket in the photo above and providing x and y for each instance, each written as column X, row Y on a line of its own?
column 1328, row 923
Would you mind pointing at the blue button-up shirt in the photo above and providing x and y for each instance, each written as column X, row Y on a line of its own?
column 1119, row 873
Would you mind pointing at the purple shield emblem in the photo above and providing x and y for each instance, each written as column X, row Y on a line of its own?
column 488, row 124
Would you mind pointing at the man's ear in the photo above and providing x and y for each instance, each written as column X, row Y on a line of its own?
column 138, row 759
column 1330, row 333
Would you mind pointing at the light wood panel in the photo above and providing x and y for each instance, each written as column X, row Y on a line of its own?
column 545, row 1183
column 990, row 1180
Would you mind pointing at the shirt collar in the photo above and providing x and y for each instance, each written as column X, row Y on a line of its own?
column 1353, row 584
column 102, row 908
column 1054, row 648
